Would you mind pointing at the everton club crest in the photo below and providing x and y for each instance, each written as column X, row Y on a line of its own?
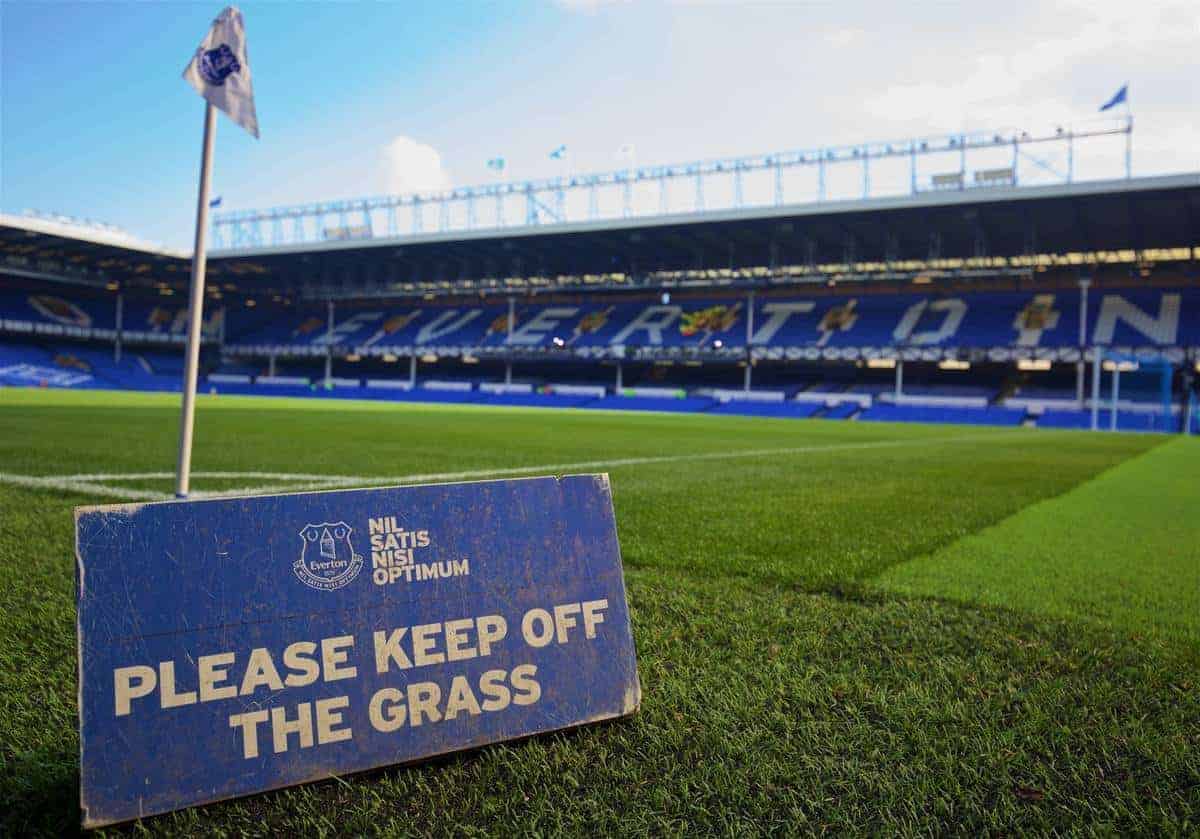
column 218, row 64
column 327, row 559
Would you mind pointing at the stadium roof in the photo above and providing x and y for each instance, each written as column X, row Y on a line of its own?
column 1157, row 212
column 1087, row 217
column 59, row 249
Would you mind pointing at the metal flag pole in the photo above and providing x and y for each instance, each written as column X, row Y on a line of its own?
column 1128, row 143
column 195, row 309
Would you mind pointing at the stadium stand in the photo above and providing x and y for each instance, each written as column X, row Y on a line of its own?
column 61, row 340
column 82, row 366
column 816, row 326
column 555, row 319
column 65, row 312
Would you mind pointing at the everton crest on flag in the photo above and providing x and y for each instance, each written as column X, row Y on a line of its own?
column 220, row 70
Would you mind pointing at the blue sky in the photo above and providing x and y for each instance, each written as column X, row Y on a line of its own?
column 361, row 98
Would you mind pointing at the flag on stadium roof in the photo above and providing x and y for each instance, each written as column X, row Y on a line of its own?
column 220, row 70
column 1118, row 98
column 496, row 163
column 558, row 153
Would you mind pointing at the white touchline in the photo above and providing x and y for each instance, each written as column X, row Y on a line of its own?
column 81, row 487
column 162, row 476
column 91, row 484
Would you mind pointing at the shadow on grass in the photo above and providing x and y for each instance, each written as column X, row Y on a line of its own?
column 39, row 794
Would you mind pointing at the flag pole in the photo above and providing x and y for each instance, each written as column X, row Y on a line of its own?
column 195, row 309
column 1128, row 139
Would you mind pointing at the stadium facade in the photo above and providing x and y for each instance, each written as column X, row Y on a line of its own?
column 981, row 305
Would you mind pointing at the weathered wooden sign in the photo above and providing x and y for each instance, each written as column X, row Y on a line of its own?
column 232, row 646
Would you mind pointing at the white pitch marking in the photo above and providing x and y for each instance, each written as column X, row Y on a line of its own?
column 81, row 487
column 437, row 477
column 165, row 476
column 91, row 484
column 82, row 484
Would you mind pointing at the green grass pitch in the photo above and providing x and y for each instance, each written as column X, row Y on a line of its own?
column 841, row 627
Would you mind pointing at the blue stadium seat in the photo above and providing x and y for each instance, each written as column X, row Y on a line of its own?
column 788, row 410
column 842, row 410
column 646, row 403
column 928, row 413
column 1065, row 419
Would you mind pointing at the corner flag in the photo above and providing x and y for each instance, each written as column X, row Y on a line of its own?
column 220, row 70
column 1118, row 98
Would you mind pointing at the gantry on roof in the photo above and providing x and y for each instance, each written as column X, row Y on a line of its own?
column 934, row 232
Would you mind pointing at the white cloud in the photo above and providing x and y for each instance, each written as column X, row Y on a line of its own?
column 843, row 37
column 1009, row 80
column 412, row 166
column 589, row 6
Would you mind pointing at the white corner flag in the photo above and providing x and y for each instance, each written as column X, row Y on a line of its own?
column 220, row 70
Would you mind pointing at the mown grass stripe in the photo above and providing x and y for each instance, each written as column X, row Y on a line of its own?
column 1121, row 548
column 91, row 484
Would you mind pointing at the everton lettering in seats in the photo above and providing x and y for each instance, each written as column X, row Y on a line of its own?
column 232, row 646
column 1048, row 320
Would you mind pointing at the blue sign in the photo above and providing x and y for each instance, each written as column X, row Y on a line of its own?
column 232, row 646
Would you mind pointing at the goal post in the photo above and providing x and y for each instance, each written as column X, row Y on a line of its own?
column 1139, row 392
